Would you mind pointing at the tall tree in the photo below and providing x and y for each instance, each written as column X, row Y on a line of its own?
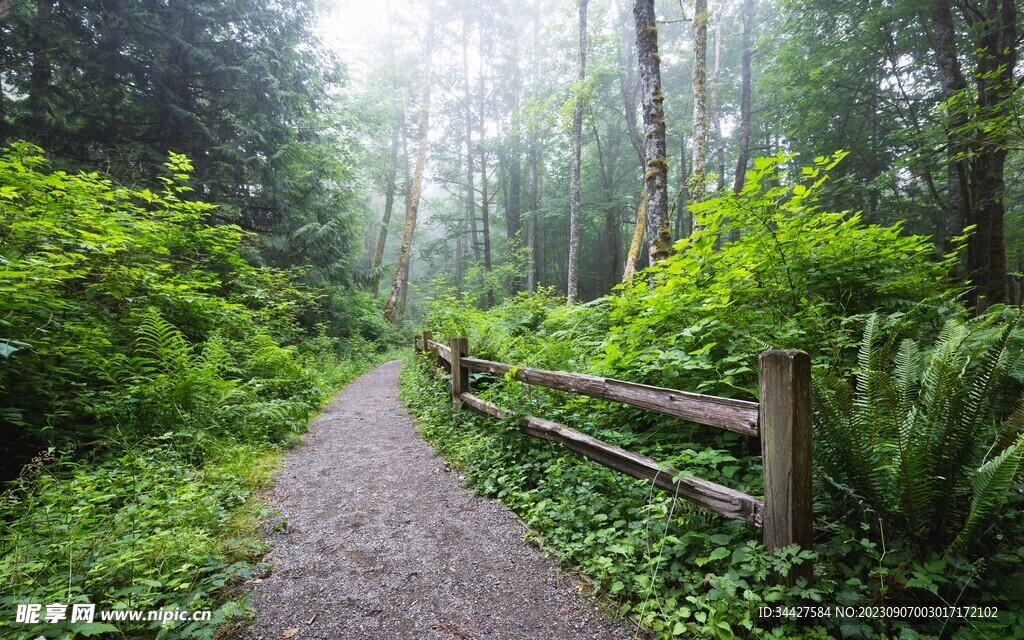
column 700, row 102
column 485, row 202
column 745, row 97
column 470, row 189
column 651, row 98
column 977, row 129
column 716, row 82
column 574, row 184
column 413, row 204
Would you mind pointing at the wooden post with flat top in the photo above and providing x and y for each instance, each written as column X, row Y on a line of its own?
column 427, row 337
column 785, row 424
column 460, row 374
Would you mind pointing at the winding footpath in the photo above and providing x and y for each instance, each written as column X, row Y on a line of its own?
column 383, row 542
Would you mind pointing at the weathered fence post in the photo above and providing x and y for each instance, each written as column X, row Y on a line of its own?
column 785, row 423
column 427, row 336
column 460, row 374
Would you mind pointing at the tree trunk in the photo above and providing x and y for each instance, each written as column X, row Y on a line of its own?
column 953, row 85
column 574, row 184
column 700, row 109
column 401, row 270
column 39, row 79
column 744, row 154
column 514, row 211
column 977, row 138
column 608, row 158
column 638, row 238
column 389, row 196
column 533, row 232
column 986, row 248
column 659, row 235
column 470, row 188
column 716, row 120
column 485, row 210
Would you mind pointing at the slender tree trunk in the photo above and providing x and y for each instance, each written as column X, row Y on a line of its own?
column 700, row 99
column 574, row 183
column 532, row 230
column 389, row 195
column 659, row 235
column 514, row 212
column 470, row 188
column 716, row 120
column 401, row 270
column 608, row 159
column 744, row 154
column 637, row 241
column 682, row 223
column 628, row 89
column 954, row 85
column 485, row 205
column 39, row 78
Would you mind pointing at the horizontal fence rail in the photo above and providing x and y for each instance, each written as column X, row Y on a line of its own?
column 709, row 495
column 735, row 415
column 782, row 420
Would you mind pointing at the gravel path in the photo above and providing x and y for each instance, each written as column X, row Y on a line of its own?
column 382, row 542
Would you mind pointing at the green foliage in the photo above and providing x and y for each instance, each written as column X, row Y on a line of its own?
column 164, row 372
column 141, row 530
column 924, row 441
column 769, row 268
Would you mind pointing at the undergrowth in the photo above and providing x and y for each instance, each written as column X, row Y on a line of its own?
column 918, row 492
column 159, row 376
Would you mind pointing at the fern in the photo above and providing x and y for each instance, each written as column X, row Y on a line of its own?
column 909, row 441
column 989, row 488
column 159, row 347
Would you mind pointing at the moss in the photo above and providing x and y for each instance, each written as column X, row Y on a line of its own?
column 657, row 163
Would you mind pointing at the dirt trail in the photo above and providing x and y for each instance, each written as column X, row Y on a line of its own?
column 383, row 543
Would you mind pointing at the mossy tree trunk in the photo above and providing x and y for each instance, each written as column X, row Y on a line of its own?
column 651, row 98
column 700, row 104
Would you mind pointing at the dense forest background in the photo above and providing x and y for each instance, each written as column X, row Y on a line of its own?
column 214, row 214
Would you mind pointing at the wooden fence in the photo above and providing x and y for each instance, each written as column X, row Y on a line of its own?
column 782, row 421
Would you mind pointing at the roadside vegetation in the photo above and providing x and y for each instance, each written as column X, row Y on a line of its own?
column 918, row 424
column 161, row 375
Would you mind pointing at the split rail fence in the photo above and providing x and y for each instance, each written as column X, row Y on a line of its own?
column 781, row 419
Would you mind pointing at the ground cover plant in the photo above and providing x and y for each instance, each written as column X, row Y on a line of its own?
column 159, row 374
column 918, row 438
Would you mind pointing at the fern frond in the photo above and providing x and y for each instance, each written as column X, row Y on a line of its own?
column 990, row 486
column 160, row 347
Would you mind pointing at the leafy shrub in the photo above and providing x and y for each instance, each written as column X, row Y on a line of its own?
column 923, row 440
column 770, row 269
column 163, row 372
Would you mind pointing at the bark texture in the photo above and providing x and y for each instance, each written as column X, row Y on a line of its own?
column 651, row 98
column 574, row 184
column 744, row 154
column 638, row 238
column 700, row 103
